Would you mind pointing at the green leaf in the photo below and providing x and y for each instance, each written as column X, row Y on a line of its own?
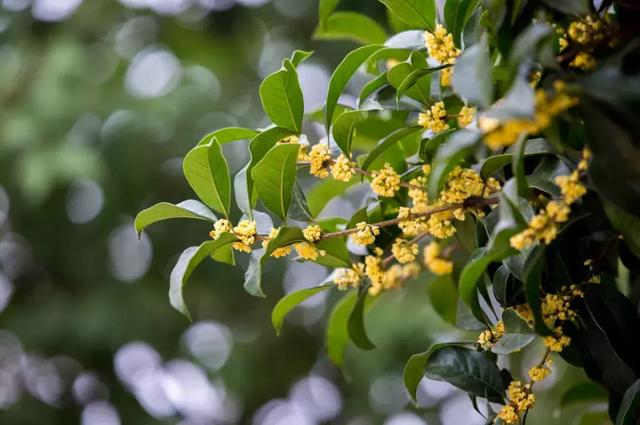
column 449, row 154
column 533, row 268
column 421, row 88
column 495, row 162
column 299, row 210
column 326, row 8
column 351, row 26
column 336, row 253
column 517, row 334
column 355, row 325
column 371, row 86
column 630, row 407
column 429, row 147
column 415, row 13
column 207, row 172
column 570, row 7
column 627, row 224
column 337, row 334
column 292, row 300
column 281, row 97
column 390, row 140
column 472, row 78
column 517, row 166
column 286, row 236
column 165, row 211
column 344, row 127
column 274, row 177
column 188, row 261
column 299, row 56
column 469, row 370
column 253, row 275
column 229, row 134
column 456, row 15
column 415, row 76
column 443, row 297
column 341, row 76
column 414, row 368
column 588, row 392
column 321, row 193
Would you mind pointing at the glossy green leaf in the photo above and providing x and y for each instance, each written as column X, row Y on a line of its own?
column 415, row 13
column 629, row 411
column 336, row 253
column 372, row 86
column 326, row 8
column 166, row 211
column 355, row 325
column 414, row 76
column 229, row 134
column 344, row 127
column 188, row 261
column 586, row 392
column 420, row 89
column 627, row 224
column 281, row 97
column 570, row 7
column 292, row 300
column 443, row 297
column 429, row 147
column 472, row 78
column 323, row 192
column 286, row 236
column 384, row 144
column 472, row 371
column 351, row 26
column 253, row 275
column 496, row 162
column 532, row 288
column 337, row 334
column 342, row 75
column 456, row 15
column 207, row 172
column 274, row 177
column 517, row 334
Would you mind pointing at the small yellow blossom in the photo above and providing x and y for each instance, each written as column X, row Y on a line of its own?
column 558, row 211
column 508, row 414
column 342, row 168
column 410, row 227
column 521, row 396
column 405, row 251
column 466, row 115
column 435, row 118
column 246, row 232
column 440, row 45
column 375, row 273
column 350, row 278
column 282, row 251
column 557, row 343
column 312, row 233
column 366, row 234
column 462, row 183
column 385, row 182
column 426, row 169
column 439, row 224
column 219, row 227
column 446, row 75
column 571, row 187
column 436, row 264
column 584, row 61
column 538, row 373
column 417, row 191
column 487, row 339
column 319, row 160
column 308, row 251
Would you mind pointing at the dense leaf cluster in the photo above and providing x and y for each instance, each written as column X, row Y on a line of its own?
column 501, row 144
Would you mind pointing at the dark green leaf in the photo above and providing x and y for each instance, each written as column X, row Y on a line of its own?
column 627, row 224
column 337, row 334
column 188, row 261
column 469, row 370
column 495, row 162
column 414, row 76
column 628, row 413
column 344, row 127
column 373, row 85
column 274, row 177
column 165, row 211
column 292, row 300
column 207, row 172
column 387, row 142
column 517, row 334
column 588, row 392
column 351, row 26
column 420, row 90
column 343, row 73
column 415, row 13
column 570, row 7
column 281, row 97
column 229, row 134
column 456, row 15
column 355, row 326
column 472, row 78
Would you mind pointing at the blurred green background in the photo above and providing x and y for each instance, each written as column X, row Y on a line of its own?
column 99, row 101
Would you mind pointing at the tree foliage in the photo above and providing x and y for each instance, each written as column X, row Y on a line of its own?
column 507, row 163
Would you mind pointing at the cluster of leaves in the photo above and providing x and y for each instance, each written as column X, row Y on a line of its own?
column 504, row 57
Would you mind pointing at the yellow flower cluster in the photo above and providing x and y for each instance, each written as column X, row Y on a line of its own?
column 246, row 232
column 366, row 234
column 350, row 278
column 558, row 342
column 441, row 47
column 501, row 134
column 410, row 227
column 435, row 118
column 538, row 373
column 308, row 251
column 418, row 194
column 586, row 31
column 383, row 280
column 521, row 398
column 584, row 61
column 312, row 233
column 487, row 339
column 462, row 184
column 219, row 227
column 303, row 156
column 282, row 251
column 405, row 251
column 466, row 115
column 385, row 182
column 319, row 160
column 436, row 264
column 342, row 168
column 543, row 227
column 587, row 34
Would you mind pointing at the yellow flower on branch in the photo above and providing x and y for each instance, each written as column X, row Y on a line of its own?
column 435, row 118
column 405, row 251
column 385, row 182
column 308, row 251
column 366, row 234
column 246, row 232
column 312, row 233
column 282, row 251
column 319, row 160
column 342, row 168
column 436, row 264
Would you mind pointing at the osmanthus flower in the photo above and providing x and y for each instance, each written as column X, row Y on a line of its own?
column 435, row 118
column 442, row 48
column 404, row 251
column 350, row 278
column 342, row 168
column 319, row 160
column 246, row 232
column 488, row 338
column 539, row 373
column 308, row 251
column 219, row 227
column 466, row 115
column 521, row 399
column 366, row 234
column 385, row 182
column 434, row 262
column 312, row 233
